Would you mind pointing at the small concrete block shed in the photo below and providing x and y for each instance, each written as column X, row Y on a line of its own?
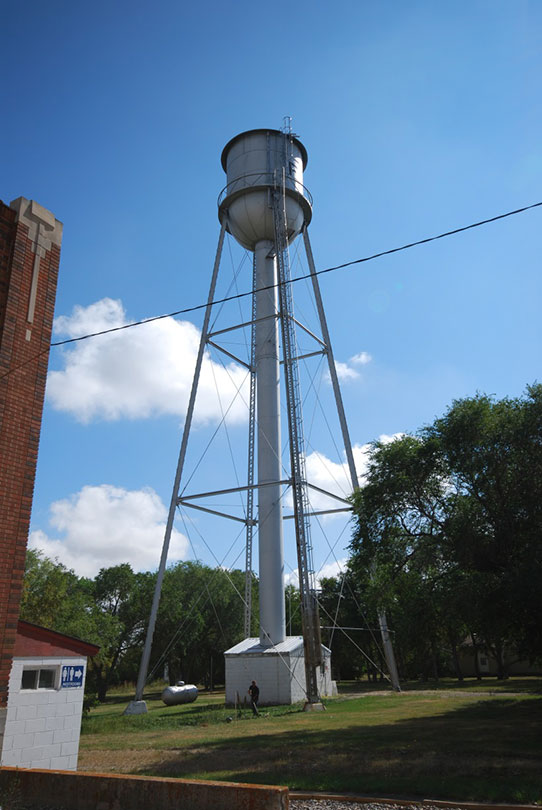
column 45, row 699
column 278, row 670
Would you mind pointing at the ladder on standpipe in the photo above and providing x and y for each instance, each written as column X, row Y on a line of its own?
column 251, row 455
column 309, row 603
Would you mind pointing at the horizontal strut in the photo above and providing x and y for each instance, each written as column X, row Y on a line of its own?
column 319, row 353
column 308, row 331
column 215, row 512
column 184, row 498
column 321, row 512
column 325, row 492
column 225, row 351
column 241, row 325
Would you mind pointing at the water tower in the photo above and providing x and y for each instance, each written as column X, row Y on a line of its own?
column 265, row 207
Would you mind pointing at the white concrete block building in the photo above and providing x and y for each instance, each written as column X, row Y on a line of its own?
column 278, row 670
column 45, row 699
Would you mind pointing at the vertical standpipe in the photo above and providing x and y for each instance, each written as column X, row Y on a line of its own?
column 271, row 543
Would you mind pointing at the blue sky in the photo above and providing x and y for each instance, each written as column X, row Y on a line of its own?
column 418, row 117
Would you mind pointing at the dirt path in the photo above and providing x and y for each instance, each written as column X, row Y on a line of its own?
column 436, row 692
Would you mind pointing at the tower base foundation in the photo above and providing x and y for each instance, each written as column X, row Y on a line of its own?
column 136, row 707
column 313, row 707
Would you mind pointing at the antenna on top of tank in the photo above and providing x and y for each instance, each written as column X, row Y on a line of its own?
column 287, row 125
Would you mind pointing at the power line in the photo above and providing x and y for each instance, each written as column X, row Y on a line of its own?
column 305, row 276
column 228, row 298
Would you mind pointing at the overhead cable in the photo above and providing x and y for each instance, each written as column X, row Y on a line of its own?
column 227, row 298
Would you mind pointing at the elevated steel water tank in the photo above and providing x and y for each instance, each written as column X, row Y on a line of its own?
column 256, row 162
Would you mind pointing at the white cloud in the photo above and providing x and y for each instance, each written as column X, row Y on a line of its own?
column 334, row 476
column 345, row 372
column 105, row 525
column 332, row 569
column 291, row 578
column 361, row 359
column 362, row 454
column 329, row 475
column 139, row 372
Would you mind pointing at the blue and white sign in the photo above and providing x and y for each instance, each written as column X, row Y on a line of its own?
column 72, row 676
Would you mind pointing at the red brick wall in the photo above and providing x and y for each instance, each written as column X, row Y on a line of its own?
column 7, row 233
column 21, row 404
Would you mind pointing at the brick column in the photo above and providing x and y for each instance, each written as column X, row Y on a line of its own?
column 30, row 239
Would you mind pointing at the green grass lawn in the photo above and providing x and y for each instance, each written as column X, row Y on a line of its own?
column 531, row 685
column 446, row 743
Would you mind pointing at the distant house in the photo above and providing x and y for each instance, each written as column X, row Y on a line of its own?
column 45, row 699
column 477, row 660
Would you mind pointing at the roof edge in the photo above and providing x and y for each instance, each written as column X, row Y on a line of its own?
column 38, row 633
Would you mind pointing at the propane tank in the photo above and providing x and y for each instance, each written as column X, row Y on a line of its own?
column 180, row 693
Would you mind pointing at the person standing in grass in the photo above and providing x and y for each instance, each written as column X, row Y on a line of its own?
column 254, row 693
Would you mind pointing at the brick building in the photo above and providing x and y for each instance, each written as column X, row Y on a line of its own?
column 30, row 239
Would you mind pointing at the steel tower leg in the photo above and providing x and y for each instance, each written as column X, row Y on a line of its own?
column 144, row 665
column 331, row 363
column 386, row 641
column 388, row 650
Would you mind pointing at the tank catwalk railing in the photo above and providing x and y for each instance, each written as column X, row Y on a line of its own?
column 257, row 180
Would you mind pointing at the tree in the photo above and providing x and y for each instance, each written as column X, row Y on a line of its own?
column 121, row 605
column 201, row 614
column 493, row 450
column 109, row 611
column 399, row 517
column 49, row 592
column 449, row 524
column 292, row 601
column 347, row 619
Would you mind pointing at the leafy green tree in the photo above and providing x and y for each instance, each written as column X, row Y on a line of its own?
column 122, row 601
column 109, row 611
column 349, row 630
column 51, row 595
column 292, row 610
column 399, row 518
column 201, row 614
column 449, row 525
column 493, row 450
